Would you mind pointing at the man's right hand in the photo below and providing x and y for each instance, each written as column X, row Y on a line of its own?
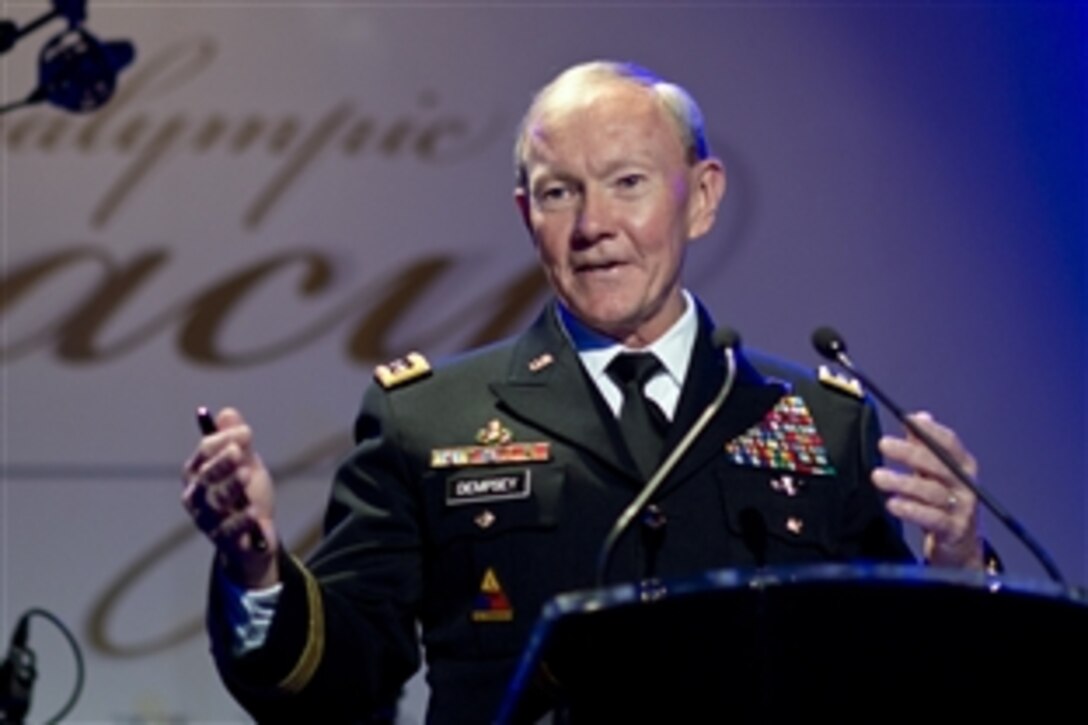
column 228, row 493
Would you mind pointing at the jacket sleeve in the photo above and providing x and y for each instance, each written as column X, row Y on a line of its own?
column 343, row 638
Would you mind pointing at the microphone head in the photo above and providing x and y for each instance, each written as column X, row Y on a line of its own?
column 725, row 337
column 9, row 35
column 21, row 634
column 828, row 343
column 78, row 72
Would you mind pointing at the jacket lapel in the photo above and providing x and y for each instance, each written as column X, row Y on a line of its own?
column 547, row 386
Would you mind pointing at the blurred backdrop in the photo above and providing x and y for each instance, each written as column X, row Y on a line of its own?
column 281, row 195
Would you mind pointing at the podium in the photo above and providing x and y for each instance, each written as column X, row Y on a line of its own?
column 847, row 643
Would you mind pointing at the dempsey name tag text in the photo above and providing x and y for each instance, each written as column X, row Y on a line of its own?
column 491, row 487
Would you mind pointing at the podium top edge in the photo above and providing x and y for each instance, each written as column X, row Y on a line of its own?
column 774, row 578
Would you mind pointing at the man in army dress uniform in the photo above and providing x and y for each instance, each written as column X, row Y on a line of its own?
column 483, row 487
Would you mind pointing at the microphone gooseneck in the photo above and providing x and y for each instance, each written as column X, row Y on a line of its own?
column 727, row 340
column 831, row 346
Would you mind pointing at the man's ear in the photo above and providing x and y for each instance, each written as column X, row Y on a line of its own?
column 707, row 191
column 521, row 199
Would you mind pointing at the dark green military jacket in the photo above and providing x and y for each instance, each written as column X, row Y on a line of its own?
column 481, row 489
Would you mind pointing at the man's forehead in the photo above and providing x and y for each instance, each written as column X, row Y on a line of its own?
column 609, row 113
column 620, row 97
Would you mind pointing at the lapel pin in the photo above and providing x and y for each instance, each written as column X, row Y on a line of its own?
column 540, row 362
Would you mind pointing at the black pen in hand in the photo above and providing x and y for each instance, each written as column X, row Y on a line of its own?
column 207, row 426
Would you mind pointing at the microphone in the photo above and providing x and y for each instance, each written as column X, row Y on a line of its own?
column 17, row 675
column 78, row 73
column 832, row 347
column 727, row 340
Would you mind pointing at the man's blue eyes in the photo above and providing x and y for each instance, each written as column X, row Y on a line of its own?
column 559, row 193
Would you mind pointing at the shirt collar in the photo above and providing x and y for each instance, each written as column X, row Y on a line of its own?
column 673, row 348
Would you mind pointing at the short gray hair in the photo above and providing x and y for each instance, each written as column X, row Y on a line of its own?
column 674, row 99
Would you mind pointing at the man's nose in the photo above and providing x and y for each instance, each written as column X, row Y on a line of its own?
column 595, row 219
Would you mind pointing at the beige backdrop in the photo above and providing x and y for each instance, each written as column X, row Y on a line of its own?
column 283, row 194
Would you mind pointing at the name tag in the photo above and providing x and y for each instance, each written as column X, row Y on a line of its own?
column 492, row 487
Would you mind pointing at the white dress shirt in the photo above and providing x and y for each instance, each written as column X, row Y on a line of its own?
column 673, row 349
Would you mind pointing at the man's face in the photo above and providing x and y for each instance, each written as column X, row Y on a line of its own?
column 612, row 203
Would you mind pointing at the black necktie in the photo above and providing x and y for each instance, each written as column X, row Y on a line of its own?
column 641, row 421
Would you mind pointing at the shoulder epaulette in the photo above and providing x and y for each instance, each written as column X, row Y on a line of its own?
column 840, row 382
column 412, row 366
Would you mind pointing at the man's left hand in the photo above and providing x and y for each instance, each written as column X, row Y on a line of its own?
column 931, row 497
